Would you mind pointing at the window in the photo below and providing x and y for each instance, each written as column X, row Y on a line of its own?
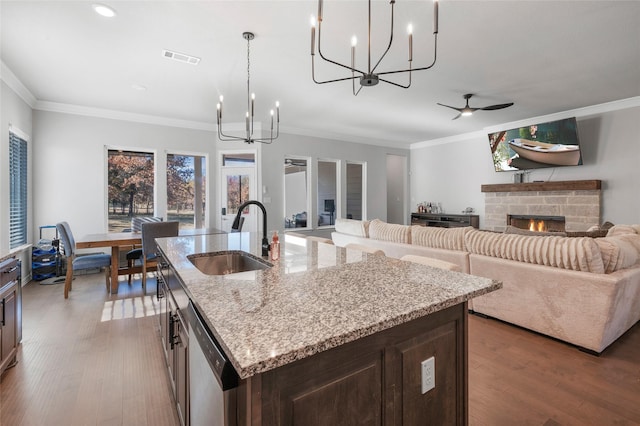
column 356, row 185
column 186, row 190
column 327, row 192
column 130, row 187
column 17, row 191
column 296, row 192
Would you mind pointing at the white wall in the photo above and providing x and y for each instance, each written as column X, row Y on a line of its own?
column 70, row 164
column 452, row 173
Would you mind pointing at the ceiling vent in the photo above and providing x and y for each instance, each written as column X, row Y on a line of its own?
column 180, row 57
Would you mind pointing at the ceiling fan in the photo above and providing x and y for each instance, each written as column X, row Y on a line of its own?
column 467, row 110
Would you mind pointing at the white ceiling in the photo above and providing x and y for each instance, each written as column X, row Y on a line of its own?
column 546, row 56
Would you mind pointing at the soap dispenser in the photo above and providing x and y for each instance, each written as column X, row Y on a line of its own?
column 275, row 246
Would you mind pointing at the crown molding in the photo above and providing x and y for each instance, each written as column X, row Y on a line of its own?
column 584, row 112
column 123, row 116
column 16, row 85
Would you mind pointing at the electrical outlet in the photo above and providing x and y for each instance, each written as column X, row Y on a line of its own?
column 428, row 368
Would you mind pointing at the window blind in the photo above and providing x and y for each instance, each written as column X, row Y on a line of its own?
column 17, row 191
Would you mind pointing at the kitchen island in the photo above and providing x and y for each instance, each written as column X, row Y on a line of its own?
column 334, row 336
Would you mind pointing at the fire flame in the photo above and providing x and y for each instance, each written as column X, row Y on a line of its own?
column 540, row 226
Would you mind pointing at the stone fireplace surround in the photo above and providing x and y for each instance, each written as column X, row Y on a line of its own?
column 578, row 201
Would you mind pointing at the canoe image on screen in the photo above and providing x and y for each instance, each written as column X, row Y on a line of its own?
column 536, row 146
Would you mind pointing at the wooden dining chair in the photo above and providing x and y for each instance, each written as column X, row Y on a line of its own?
column 135, row 254
column 151, row 231
column 90, row 261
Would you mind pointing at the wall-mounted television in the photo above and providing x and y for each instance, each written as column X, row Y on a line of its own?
column 551, row 144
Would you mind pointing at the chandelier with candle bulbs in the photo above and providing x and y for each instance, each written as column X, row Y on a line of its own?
column 251, row 97
column 369, row 76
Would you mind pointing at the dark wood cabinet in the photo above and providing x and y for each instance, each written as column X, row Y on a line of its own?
column 375, row 380
column 174, row 335
column 445, row 220
column 9, row 312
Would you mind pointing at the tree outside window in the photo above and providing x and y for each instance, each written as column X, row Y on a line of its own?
column 186, row 189
column 130, row 187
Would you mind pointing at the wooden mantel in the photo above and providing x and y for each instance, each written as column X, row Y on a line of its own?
column 568, row 185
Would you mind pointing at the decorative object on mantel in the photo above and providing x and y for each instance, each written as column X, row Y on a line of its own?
column 248, row 138
column 467, row 111
column 370, row 77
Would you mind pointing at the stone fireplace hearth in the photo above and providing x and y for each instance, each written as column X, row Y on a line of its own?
column 578, row 201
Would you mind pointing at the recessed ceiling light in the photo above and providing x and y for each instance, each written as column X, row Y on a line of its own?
column 139, row 87
column 104, row 10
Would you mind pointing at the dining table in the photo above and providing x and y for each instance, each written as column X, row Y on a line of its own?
column 118, row 240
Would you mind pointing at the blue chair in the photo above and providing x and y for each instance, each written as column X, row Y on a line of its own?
column 90, row 261
column 151, row 231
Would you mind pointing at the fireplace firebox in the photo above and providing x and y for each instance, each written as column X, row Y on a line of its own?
column 538, row 223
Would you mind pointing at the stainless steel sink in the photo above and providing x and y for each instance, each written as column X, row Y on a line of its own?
column 227, row 262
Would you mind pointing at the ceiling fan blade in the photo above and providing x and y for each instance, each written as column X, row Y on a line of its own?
column 449, row 106
column 457, row 116
column 494, row 107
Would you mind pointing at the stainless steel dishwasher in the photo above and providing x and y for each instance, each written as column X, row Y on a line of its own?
column 212, row 378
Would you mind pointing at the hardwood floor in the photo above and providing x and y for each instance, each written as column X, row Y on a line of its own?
column 517, row 377
column 92, row 359
column 96, row 359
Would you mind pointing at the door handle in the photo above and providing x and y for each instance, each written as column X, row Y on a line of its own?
column 173, row 338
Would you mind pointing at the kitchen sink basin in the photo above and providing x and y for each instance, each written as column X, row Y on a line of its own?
column 227, row 262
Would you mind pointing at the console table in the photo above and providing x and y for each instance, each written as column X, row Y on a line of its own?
column 445, row 220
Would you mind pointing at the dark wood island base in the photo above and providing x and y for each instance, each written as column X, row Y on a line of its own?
column 375, row 380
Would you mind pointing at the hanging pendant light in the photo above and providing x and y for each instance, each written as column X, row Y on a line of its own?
column 251, row 97
column 369, row 76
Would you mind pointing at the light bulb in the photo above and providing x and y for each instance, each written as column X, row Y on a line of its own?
column 313, row 21
column 277, row 104
column 221, row 98
column 354, row 41
column 253, row 96
column 410, row 29
column 272, row 113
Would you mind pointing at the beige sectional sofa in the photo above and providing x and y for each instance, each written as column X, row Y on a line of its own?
column 581, row 290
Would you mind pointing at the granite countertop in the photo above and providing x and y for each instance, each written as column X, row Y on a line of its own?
column 316, row 297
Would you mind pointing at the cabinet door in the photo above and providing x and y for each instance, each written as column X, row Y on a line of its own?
column 445, row 403
column 8, row 339
column 163, row 318
column 181, row 371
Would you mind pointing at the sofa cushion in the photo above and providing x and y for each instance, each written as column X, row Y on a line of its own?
column 578, row 254
column 619, row 251
column 379, row 230
column 623, row 229
column 444, row 238
column 358, row 228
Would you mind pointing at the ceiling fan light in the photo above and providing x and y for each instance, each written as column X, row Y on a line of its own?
column 466, row 113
